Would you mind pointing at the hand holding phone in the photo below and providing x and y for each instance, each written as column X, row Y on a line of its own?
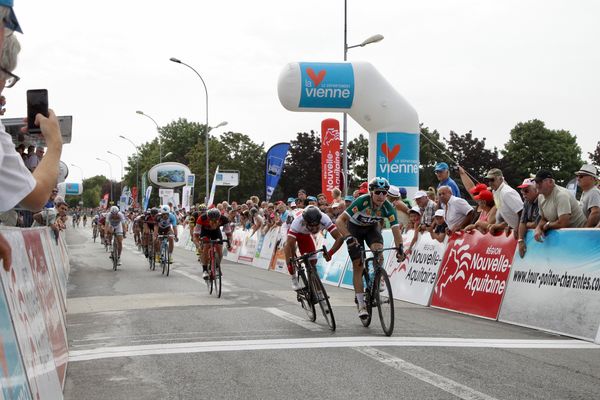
column 37, row 103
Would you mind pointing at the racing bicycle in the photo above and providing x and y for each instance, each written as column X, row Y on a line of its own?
column 115, row 251
column 165, row 256
column 95, row 232
column 150, row 251
column 378, row 291
column 214, row 268
column 312, row 292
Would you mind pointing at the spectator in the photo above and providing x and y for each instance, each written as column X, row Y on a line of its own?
column 50, row 202
column 300, row 203
column 427, row 207
column 356, row 194
column 530, row 217
column 301, row 196
column 401, row 208
column 336, row 209
column 322, row 202
column 487, row 211
column 348, row 200
column 312, row 201
column 587, row 177
column 414, row 219
column 442, row 173
column 432, row 194
column 558, row 208
column 337, row 195
column 458, row 213
column 34, row 160
column 508, row 203
column 440, row 227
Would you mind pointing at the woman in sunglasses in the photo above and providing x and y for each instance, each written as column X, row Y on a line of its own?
column 362, row 220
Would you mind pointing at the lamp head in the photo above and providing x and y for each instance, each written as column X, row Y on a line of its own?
column 175, row 60
column 372, row 39
column 139, row 112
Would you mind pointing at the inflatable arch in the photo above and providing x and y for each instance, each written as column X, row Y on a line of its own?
column 358, row 89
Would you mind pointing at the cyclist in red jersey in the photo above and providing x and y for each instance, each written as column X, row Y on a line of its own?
column 210, row 229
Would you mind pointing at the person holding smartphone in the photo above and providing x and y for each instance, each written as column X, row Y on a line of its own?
column 19, row 186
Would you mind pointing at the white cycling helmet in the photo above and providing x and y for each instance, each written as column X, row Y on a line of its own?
column 165, row 209
column 114, row 209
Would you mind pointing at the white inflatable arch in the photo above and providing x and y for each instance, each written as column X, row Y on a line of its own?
column 358, row 89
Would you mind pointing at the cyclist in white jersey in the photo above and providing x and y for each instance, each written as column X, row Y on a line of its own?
column 115, row 224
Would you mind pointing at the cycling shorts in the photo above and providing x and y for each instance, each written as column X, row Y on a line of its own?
column 370, row 234
column 210, row 234
column 306, row 243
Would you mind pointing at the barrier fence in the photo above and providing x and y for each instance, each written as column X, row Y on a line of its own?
column 33, row 338
column 555, row 287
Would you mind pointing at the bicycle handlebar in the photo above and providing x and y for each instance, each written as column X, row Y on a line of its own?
column 307, row 255
column 380, row 250
column 219, row 241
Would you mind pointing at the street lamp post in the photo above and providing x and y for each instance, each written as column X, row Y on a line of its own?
column 175, row 60
column 137, row 168
column 120, row 159
column 80, row 169
column 372, row 39
column 158, row 131
column 111, row 176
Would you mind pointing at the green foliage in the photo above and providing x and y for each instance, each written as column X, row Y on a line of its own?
column 431, row 151
column 303, row 166
column 471, row 153
column 532, row 147
column 358, row 161
column 595, row 156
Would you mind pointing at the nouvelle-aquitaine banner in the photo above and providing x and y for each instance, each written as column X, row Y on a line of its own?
column 330, row 157
column 474, row 272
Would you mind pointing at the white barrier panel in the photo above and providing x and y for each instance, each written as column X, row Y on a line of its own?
column 331, row 272
column 238, row 238
column 266, row 248
column 413, row 280
column 248, row 248
column 556, row 286
column 28, row 317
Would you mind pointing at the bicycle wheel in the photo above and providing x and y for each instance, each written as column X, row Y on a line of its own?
column 95, row 234
column 323, row 299
column 384, row 301
column 304, row 297
column 151, row 264
column 211, row 274
column 115, row 254
column 163, row 259
column 218, row 280
column 367, row 321
column 168, row 261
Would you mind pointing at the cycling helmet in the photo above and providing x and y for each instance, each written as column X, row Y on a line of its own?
column 213, row 214
column 202, row 207
column 165, row 209
column 154, row 211
column 114, row 209
column 379, row 183
column 312, row 215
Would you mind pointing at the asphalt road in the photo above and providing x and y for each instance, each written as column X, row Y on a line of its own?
column 136, row 334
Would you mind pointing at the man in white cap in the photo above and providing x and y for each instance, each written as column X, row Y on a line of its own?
column 427, row 207
column 530, row 217
column 587, row 177
column 508, row 203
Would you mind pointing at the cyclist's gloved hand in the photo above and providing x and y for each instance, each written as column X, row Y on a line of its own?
column 351, row 241
column 176, row 239
column 400, row 256
column 327, row 256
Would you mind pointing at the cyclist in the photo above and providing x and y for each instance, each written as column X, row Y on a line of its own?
column 84, row 220
column 138, row 226
column 115, row 224
column 211, row 223
column 362, row 220
column 166, row 224
column 95, row 224
column 148, row 230
column 101, row 223
column 306, row 224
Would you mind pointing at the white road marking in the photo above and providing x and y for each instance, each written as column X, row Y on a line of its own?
column 448, row 385
column 226, row 286
column 311, row 326
column 321, row 343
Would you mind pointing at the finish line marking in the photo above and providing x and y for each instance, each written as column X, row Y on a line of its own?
column 311, row 326
column 422, row 374
column 321, row 343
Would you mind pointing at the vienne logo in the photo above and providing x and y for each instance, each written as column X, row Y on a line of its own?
column 316, row 78
column 390, row 154
column 326, row 85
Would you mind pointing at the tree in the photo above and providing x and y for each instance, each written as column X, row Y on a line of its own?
column 431, row 151
column 302, row 169
column 595, row 156
column 532, row 147
column 471, row 154
column 358, row 161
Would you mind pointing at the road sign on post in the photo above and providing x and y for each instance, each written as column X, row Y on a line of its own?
column 227, row 178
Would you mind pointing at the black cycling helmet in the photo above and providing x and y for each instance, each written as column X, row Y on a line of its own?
column 154, row 211
column 312, row 215
column 213, row 214
column 379, row 183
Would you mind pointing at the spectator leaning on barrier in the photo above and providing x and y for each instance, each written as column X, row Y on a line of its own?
column 393, row 197
column 440, row 226
column 442, row 173
column 457, row 212
column 427, row 207
column 587, row 177
column 509, row 204
column 487, row 210
column 530, row 217
column 558, row 207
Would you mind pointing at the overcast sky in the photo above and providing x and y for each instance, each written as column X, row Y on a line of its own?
column 477, row 65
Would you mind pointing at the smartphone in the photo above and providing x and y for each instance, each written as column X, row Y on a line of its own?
column 37, row 103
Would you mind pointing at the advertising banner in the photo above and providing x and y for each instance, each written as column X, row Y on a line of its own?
column 414, row 278
column 248, row 249
column 275, row 161
column 238, row 237
column 326, row 85
column 556, row 286
column 264, row 253
column 398, row 158
column 211, row 197
column 330, row 157
column 147, row 197
column 185, row 197
column 134, row 194
column 474, row 273
column 331, row 272
column 12, row 374
column 169, row 174
column 50, row 301
column 25, row 307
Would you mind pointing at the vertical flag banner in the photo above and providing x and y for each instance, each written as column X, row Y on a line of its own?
column 104, row 201
column 330, row 157
column 134, row 193
column 274, row 166
column 211, row 198
column 147, row 197
column 144, row 183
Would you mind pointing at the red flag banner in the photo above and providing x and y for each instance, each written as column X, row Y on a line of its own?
column 330, row 156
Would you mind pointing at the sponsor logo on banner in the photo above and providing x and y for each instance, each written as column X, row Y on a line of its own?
column 326, row 85
column 413, row 279
column 398, row 158
column 559, row 281
column 474, row 273
column 330, row 157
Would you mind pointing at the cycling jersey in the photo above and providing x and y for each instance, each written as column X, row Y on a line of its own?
column 204, row 222
column 165, row 223
column 299, row 225
column 362, row 213
column 150, row 220
column 115, row 219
